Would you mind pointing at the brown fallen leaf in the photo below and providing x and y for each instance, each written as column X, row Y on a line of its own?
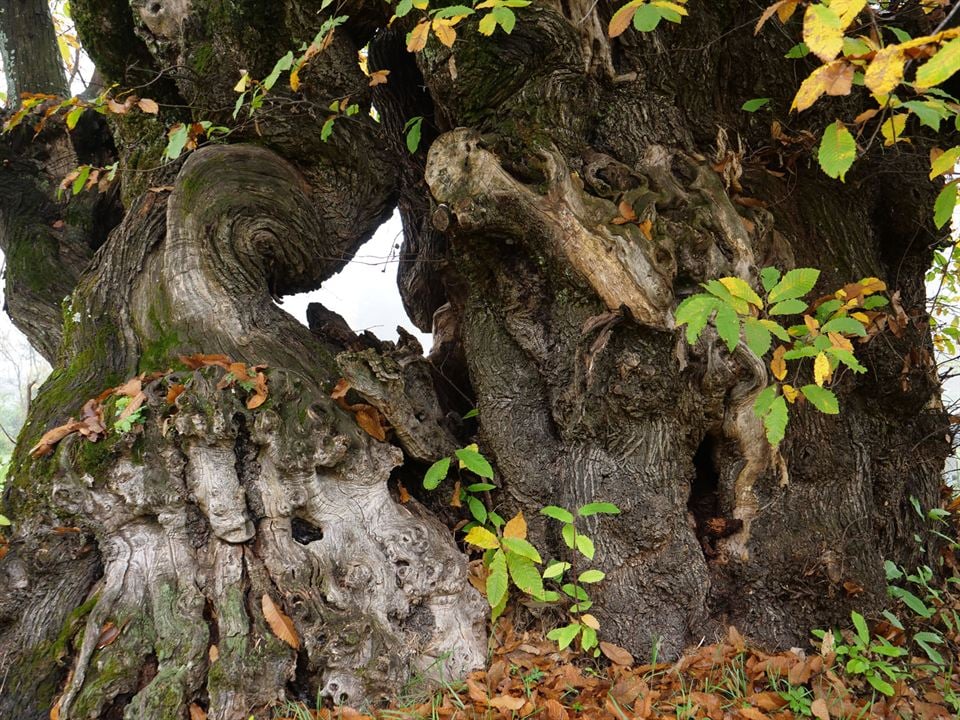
column 175, row 391
column 616, row 654
column 149, row 106
column 259, row 396
column 340, row 389
column 281, row 625
column 197, row 712
column 213, row 653
column 553, row 710
column 819, row 709
column 51, row 437
column 378, row 77
column 404, row 493
column 55, row 710
column 200, row 360
column 370, row 419
column 507, row 702
column 108, row 635
column 646, row 227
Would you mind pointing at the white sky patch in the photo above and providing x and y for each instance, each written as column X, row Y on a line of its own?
column 365, row 292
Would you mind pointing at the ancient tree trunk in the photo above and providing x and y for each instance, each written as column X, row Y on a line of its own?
column 184, row 530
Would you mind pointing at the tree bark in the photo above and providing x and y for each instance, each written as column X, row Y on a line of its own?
column 558, row 322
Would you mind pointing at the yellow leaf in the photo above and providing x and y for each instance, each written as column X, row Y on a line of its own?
column 885, row 71
column 821, row 369
column 812, row 325
column 873, row 285
column 242, row 84
column 847, row 10
column 790, row 393
column 822, row 32
column 667, row 5
column 487, row 24
column 280, row 624
column 516, row 527
column 480, row 537
column 893, row 128
column 811, row 89
column 740, row 289
column 861, row 317
column 786, row 10
column 590, row 621
column 444, row 31
column 295, row 78
column 417, row 40
column 778, row 365
column 839, row 341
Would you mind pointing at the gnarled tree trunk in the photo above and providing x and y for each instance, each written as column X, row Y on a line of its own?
column 558, row 321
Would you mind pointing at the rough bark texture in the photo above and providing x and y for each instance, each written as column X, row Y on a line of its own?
column 556, row 321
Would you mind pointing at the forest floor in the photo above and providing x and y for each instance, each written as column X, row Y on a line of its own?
column 880, row 671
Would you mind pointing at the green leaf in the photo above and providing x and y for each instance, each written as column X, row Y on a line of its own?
column 838, row 150
column 719, row 290
column 569, row 534
column 761, row 406
column 450, row 12
column 525, row 574
column 646, row 18
column 822, row 399
column 471, row 414
column 728, row 326
column 769, row 277
column 497, row 579
column 794, row 284
column 477, row 509
column 930, row 112
column 284, row 63
column 403, row 7
column 861, row 626
column 694, row 312
column 565, row 635
column 754, row 105
column 436, row 473
column 846, row 325
column 412, row 129
column 804, row 351
column 591, row 576
column 575, row 591
column 880, row 684
column 522, row 548
column 875, row 301
column 945, row 203
column 775, row 329
column 940, row 67
column 73, row 117
column 598, row 507
column 825, row 310
column 176, row 140
column 585, row 546
column 847, row 358
column 4, row 521
column 757, row 336
column 788, row 307
column 799, row 50
column 506, row 18
column 81, row 179
column 588, row 638
column 556, row 569
column 474, row 462
column 775, row 421
column 557, row 513
column 911, row 601
column 480, row 487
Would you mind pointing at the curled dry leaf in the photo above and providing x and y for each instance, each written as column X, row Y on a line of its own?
column 175, row 391
column 370, row 419
column 616, row 654
column 108, row 635
column 259, row 396
column 197, row 712
column 52, row 437
column 200, row 360
column 281, row 625
column 136, row 402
